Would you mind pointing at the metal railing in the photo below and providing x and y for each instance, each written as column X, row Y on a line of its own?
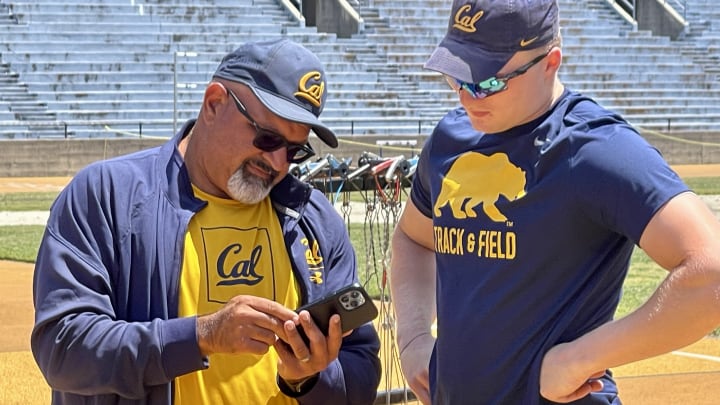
column 679, row 5
column 167, row 127
column 629, row 6
column 90, row 129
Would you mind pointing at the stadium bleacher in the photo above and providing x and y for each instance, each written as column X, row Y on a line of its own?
column 77, row 67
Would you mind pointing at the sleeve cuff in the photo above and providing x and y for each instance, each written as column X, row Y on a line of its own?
column 299, row 389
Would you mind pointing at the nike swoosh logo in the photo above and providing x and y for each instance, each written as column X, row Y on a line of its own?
column 524, row 42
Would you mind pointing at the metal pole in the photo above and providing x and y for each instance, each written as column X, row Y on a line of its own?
column 174, row 93
column 176, row 84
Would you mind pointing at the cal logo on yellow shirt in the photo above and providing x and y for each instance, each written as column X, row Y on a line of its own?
column 233, row 249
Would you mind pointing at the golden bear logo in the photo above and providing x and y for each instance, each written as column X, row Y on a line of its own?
column 475, row 179
column 313, row 93
column 466, row 22
column 312, row 254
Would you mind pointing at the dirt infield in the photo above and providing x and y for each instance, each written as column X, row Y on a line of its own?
column 20, row 379
column 697, row 170
column 688, row 376
column 32, row 184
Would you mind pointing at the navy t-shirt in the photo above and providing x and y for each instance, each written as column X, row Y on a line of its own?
column 534, row 228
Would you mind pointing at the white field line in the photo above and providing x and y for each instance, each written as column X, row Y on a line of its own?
column 698, row 356
column 23, row 217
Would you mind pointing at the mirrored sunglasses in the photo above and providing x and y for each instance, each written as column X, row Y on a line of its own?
column 493, row 85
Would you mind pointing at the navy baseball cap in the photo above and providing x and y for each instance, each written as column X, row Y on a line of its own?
column 286, row 77
column 483, row 35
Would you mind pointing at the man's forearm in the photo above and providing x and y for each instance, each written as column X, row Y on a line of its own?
column 412, row 285
column 685, row 307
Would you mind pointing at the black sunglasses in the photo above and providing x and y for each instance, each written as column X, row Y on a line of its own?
column 269, row 141
column 493, row 85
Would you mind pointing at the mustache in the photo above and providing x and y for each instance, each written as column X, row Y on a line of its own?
column 261, row 164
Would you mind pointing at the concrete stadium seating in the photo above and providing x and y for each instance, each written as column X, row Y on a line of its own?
column 88, row 68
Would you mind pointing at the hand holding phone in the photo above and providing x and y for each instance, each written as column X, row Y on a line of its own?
column 352, row 303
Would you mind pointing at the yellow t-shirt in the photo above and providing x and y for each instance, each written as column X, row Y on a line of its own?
column 232, row 249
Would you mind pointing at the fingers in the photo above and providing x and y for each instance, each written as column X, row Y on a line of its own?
column 329, row 344
column 252, row 324
column 335, row 336
column 245, row 324
column 298, row 359
column 585, row 389
column 299, row 349
column 592, row 384
column 272, row 308
column 310, row 329
column 275, row 315
column 317, row 343
column 596, row 385
column 261, row 335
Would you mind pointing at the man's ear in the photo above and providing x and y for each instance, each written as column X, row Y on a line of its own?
column 215, row 95
column 554, row 59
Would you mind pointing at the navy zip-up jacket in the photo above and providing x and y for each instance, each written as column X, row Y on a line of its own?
column 107, row 278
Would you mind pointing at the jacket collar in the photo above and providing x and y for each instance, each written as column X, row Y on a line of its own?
column 173, row 169
column 289, row 196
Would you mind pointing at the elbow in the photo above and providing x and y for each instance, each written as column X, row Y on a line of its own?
column 50, row 360
column 43, row 354
column 697, row 282
column 361, row 366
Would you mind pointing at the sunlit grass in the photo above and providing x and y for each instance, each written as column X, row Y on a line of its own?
column 20, row 242
column 34, row 201
column 704, row 185
column 643, row 277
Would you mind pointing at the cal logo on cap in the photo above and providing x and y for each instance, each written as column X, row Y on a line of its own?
column 466, row 22
column 312, row 93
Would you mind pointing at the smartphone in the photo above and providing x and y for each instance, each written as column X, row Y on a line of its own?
column 352, row 303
